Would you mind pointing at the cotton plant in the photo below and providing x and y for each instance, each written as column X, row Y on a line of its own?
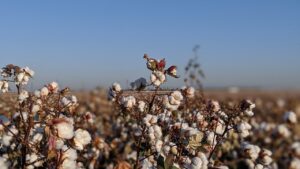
column 178, row 129
column 44, row 131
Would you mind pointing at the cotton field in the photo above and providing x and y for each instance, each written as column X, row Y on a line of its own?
column 146, row 127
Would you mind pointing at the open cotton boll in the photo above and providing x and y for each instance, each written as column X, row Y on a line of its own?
column 128, row 102
column 3, row 163
column 116, row 87
column 290, row 117
column 69, row 153
column 44, row 92
column 82, row 138
column 283, row 131
column 150, row 119
column 296, row 148
column 141, row 106
column 53, row 87
column 295, row 163
column 4, row 86
column 157, row 78
column 252, row 151
column 65, row 129
column 68, row 164
column 23, row 96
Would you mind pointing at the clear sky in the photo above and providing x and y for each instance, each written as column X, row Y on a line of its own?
column 84, row 44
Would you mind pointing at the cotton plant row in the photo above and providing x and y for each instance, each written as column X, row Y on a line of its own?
column 45, row 131
column 180, row 129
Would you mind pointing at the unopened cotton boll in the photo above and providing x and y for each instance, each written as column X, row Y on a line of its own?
column 290, row 117
column 82, row 138
column 65, row 130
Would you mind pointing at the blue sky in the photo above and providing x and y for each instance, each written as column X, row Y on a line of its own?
column 83, row 44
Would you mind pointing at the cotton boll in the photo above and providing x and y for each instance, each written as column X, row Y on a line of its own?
column 23, row 96
column 35, row 108
column 295, row 163
column 252, row 151
column 296, row 148
column 158, row 145
column 265, row 157
column 59, row 144
column 243, row 129
column 116, row 87
column 44, row 92
column 6, row 139
column 157, row 78
column 69, row 153
column 141, row 106
column 259, row 166
column 53, row 87
column 4, row 86
column 190, row 92
column 290, row 117
column 82, row 138
column 37, row 138
column 150, row 120
column 220, row 127
column 283, row 131
column 68, row 164
column 65, row 130
column 3, row 163
column 128, row 102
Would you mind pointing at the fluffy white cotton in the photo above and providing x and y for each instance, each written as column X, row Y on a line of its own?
column 157, row 78
column 23, row 96
column 150, row 119
column 4, row 86
column 82, row 138
column 283, row 131
column 3, row 163
column 128, row 102
column 44, row 92
column 65, row 130
column 69, row 153
column 141, row 106
column 243, row 129
column 290, row 117
column 251, row 151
